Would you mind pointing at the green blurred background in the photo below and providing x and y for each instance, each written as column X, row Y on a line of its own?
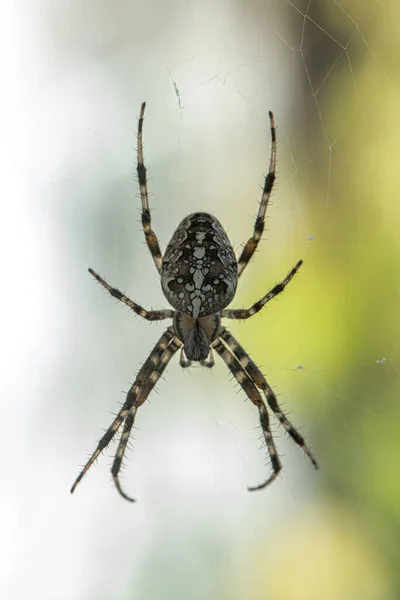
column 329, row 345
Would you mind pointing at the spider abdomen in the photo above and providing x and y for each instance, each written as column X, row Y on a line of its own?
column 199, row 267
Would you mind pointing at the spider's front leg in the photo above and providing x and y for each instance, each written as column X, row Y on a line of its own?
column 251, row 391
column 145, row 381
column 147, row 378
column 259, row 380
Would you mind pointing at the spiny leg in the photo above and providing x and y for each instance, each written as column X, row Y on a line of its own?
column 123, row 442
column 144, row 389
column 260, row 381
column 245, row 313
column 150, row 315
column 143, row 374
column 150, row 236
column 103, row 443
column 252, row 392
column 252, row 243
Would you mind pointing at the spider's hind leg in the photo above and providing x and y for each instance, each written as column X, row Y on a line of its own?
column 253, row 242
column 151, row 238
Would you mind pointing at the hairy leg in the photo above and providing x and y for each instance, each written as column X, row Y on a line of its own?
column 251, row 391
column 150, row 236
column 144, row 375
column 150, row 315
column 245, row 313
column 252, row 243
column 260, row 381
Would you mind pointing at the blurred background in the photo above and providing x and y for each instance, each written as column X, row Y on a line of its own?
column 76, row 74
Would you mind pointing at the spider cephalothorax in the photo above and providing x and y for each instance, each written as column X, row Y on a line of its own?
column 199, row 274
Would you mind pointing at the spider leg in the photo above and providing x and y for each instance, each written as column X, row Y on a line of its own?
column 252, row 243
column 246, row 383
column 143, row 375
column 150, row 378
column 103, row 443
column 258, row 378
column 123, row 442
column 151, row 238
column 150, row 315
column 245, row 313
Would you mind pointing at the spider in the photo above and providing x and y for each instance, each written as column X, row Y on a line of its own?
column 199, row 274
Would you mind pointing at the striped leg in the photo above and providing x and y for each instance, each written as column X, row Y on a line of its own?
column 150, row 236
column 244, row 380
column 150, row 315
column 143, row 390
column 252, row 243
column 245, row 313
column 260, row 381
column 144, row 375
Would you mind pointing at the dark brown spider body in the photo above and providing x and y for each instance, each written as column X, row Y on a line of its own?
column 197, row 335
column 199, row 270
column 199, row 274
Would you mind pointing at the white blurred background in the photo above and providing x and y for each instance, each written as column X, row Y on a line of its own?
column 75, row 75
